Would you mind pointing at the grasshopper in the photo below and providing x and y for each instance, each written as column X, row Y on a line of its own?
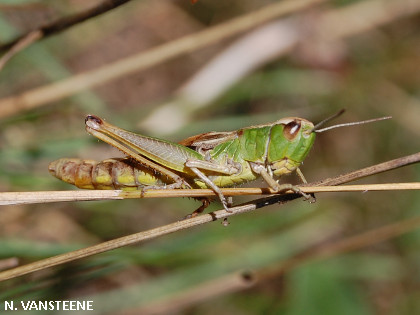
column 209, row 160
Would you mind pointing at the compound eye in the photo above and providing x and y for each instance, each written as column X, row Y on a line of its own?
column 291, row 130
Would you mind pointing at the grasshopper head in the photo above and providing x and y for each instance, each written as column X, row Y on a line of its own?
column 290, row 142
column 292, row 138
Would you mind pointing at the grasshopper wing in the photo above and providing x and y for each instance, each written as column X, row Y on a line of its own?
column 208, row 140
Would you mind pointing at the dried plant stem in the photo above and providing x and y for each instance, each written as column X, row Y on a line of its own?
column 16, row 198
column 324, row 251
column 63, row 24
column 368, row 171
column 20, row 45
column 364, row 15
column 122, row 241
column 180, row 300
column 238, row 281
column 184, row 224
column 58, row 90
column 380, row 12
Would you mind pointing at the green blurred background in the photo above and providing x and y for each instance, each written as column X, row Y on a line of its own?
column 372, row 74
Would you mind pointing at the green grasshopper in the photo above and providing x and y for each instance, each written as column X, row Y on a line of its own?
column 209, row 160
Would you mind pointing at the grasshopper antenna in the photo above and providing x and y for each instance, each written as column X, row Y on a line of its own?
column 321, row 123
column 317, row 130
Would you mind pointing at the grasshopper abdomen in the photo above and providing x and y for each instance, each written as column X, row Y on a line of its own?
column 114, row 173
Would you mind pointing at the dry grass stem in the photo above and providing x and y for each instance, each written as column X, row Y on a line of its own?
column 67, row 87
column 14, row 198
column 63, row 24
column 363, row 16
column 370, row 170
column 203, row 292
column 17, row 198
column 123, row 241
column 238, row 281
column 324, row 251
column 19, row 46
column 201, row 219
column 386, row 11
